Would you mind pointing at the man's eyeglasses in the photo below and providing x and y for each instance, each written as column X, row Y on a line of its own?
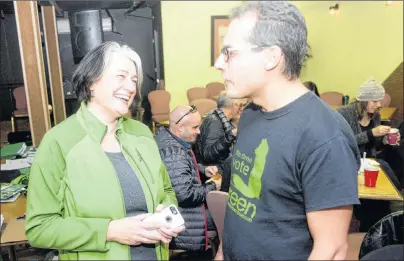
column 227, row 51
column 192, row 109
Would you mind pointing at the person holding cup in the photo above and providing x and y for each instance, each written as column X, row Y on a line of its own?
column 364, row 118
column 393, row 137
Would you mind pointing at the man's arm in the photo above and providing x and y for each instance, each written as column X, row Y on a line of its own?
column 329, row 229
column 45, row 226
column 180, row 171
column 330, row 186
column 214, row 144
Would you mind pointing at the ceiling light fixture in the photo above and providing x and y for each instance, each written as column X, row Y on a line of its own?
column 391, row 3
column 334, row 9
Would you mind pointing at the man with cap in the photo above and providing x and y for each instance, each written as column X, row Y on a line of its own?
column 364, row 118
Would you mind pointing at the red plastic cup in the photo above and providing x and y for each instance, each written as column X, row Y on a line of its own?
column 392, row 136
column 371, row 174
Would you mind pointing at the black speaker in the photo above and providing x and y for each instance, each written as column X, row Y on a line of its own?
column 20, row 136
column 85, row 32
column 69, row 91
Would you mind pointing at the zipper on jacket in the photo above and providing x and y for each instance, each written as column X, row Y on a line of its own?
column 122, row 197
column 144, row 162
column 151, row 175
column 145, row 180
column 123, row 201
column 147, row 185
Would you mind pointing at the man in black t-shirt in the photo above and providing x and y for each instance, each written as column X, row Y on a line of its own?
column 295, row 162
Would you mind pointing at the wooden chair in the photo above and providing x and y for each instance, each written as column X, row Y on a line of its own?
column 161, row 85
column 386, row 100
column 160, row 108
column 354, row 245
column 217, row 201
column 214, row 88
column 332, row 98
column 197, row 93
column 204, row 106
column 21, row 108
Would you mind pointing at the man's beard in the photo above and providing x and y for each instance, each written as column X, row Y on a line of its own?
column 187, row 139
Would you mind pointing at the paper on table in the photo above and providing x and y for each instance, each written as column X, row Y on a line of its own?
column 368, row 162
column 11, row 199
column 15, row 164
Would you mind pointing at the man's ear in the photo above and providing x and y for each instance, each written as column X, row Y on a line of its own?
column 180, row 127
column 273, row 57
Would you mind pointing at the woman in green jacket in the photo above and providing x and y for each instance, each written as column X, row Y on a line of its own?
column 97, row 175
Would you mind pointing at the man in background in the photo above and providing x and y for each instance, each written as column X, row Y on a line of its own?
column 185, row 173
column 218, row 133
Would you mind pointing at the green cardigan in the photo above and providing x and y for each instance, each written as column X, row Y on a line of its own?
column 74, row 193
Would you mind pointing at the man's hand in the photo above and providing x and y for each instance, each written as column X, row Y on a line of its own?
column 234, row 131
column 219, row 254
column 211, row 171
column 218, row 182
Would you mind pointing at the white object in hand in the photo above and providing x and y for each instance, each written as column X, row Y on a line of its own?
column 169, row 215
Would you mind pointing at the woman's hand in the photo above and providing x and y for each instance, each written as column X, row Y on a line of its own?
column 380, row 130
column 168, row 233
column 134, row 231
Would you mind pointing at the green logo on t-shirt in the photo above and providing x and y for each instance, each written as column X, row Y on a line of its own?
column 240, row 203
